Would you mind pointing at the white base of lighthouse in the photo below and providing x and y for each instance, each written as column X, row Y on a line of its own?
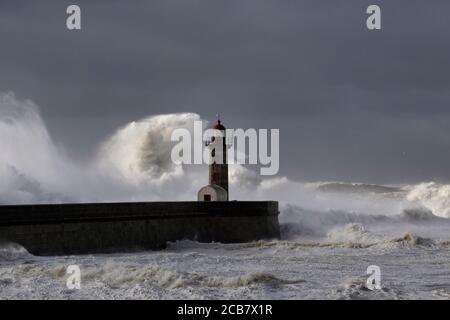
column 212, row 192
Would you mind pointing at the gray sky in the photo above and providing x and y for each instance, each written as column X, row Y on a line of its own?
column 351, row 104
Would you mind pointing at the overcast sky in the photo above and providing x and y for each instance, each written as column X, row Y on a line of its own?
column 351, row 104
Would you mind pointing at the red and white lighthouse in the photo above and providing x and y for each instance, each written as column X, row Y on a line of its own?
column 217, row 190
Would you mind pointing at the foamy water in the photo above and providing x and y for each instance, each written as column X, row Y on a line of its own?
column 411, row 267
column 331, row 232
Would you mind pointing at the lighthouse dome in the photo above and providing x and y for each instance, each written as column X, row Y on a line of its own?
column 218, row 125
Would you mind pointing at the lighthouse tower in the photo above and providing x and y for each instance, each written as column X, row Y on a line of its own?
column 218, row 170
column 217, row 190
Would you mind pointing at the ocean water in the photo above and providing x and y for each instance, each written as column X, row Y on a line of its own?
column 331, row 231
column 322, row 255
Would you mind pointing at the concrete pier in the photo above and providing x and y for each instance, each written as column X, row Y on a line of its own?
column 61, row 229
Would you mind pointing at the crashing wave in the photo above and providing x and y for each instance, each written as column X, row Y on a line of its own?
column 141, row 150
column 12, row 251
column 433, row 196
column 418, row 214
column 116, row 275
column 352, row 232
column 410, row 239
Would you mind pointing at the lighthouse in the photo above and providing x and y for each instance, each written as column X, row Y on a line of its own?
column 217, row 189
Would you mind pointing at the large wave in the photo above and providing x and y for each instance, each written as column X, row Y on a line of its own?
column 30, row 163
column 434, row 196
column 132, row 164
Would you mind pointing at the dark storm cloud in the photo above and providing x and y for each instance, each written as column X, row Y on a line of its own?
column 351, row 104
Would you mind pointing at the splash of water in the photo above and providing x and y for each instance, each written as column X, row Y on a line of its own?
column 30, row 163
column 434, row 196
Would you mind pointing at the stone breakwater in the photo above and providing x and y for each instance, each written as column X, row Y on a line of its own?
column 61, row 229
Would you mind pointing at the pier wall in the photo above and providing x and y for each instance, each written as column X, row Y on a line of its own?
column 61, row 229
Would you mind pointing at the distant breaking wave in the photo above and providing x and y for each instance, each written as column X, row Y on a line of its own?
column 430, row 195
column 12, row 251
